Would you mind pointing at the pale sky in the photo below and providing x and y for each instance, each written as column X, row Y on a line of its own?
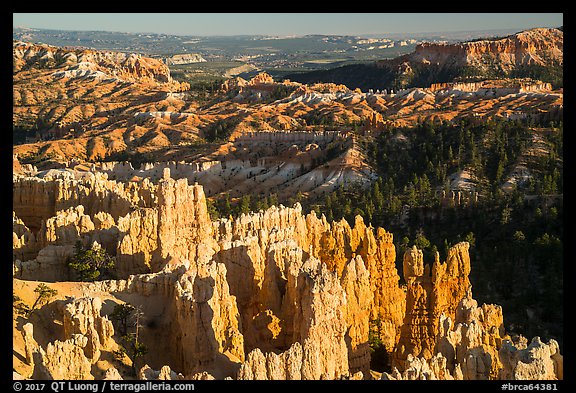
column 205, row 24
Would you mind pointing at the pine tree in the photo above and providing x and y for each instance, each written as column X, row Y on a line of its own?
column 45, row 293
column 121, row 314
column 91, row 263
column 245, row 204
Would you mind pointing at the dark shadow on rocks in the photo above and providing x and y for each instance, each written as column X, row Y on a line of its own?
column 240, row 277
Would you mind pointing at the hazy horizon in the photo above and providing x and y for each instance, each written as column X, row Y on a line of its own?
column 282, row 24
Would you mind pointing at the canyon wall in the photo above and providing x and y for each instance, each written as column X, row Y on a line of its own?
column 129, row 67
column 186, row 58
column 531, row 47
column 260, row 281
column 274, row 294
column 431, row 292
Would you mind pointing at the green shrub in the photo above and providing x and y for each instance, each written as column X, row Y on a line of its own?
column 92, row 263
